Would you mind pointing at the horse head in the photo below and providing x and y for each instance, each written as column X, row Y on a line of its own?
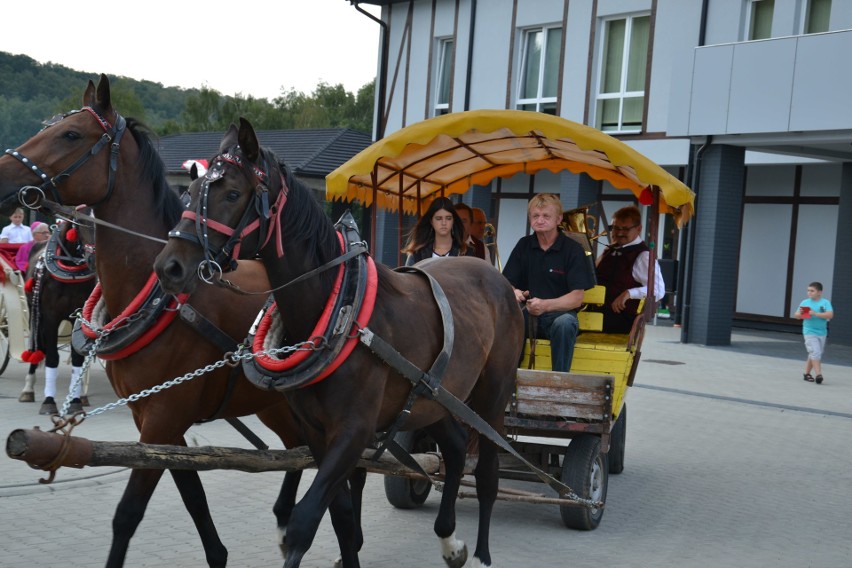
column 62, row 160
column 232, row 213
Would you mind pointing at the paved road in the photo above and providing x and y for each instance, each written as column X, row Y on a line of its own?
column 732, row 460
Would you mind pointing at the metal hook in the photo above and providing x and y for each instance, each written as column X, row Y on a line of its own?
column 25, row 201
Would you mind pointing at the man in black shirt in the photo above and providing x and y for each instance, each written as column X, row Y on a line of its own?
column 549, row 273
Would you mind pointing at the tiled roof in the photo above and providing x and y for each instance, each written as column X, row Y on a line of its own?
column 312, row 152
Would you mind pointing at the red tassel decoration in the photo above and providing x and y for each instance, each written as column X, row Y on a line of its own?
column 71, row 235
column 36, row 357
column 28, row 286
column 646, row 197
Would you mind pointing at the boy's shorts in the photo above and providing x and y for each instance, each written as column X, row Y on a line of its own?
column 815, row 344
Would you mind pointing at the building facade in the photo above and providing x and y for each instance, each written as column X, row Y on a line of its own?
column 743, row 100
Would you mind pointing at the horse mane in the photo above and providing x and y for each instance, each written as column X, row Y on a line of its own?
column 166, row 199
column 304, row 220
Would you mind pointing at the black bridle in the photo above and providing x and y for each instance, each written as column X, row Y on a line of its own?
column 259, row 216
column 32, row 195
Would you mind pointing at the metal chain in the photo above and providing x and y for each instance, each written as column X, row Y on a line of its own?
column 231, row 359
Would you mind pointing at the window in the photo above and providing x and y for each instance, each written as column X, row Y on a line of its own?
column 624, row 58
column 817, row 16
column 760, row 19
column 446, row 53
column 539, row 77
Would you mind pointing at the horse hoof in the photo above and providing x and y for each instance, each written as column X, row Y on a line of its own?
column 458, row 560
column 48, row 408
column 84, row 400
column 27, row 397
column 74, row 408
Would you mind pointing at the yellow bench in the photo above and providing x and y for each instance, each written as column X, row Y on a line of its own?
column 597, row 353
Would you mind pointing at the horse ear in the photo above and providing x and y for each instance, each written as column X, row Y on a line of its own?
column 193, row 172
column 230, row 139
column 89, row 94
column 248, row 140
column 104, row 99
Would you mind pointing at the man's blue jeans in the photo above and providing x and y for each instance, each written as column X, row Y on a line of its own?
column 561, row 329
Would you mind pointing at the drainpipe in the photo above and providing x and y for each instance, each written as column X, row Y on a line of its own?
column 378, row 120
column 686, row 273
column 467, row 79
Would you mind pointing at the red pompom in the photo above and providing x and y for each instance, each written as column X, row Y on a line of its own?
column 36, row 357
column 646, row 197
column 71, row 235
column 28, row 286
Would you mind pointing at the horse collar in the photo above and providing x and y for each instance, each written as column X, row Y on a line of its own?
column 65, row 265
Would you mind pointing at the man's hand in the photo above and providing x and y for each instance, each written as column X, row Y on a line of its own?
column 521, row 295
column 620, row 302
column 536, row 306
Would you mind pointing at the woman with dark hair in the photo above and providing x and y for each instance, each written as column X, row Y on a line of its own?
column 438, row 233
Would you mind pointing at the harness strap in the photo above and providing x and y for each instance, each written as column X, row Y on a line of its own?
column 209, row 331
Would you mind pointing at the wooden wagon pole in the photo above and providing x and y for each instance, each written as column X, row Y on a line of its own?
column 650, row 307
column 49, row 451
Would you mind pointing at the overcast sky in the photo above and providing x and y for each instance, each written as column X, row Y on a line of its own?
column 252, row 47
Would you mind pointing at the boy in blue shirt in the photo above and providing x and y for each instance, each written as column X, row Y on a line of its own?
column 815, row 313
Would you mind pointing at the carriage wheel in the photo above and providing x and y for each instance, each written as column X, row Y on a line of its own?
column 404, row 492
column 4, row 339
column 585, row 470
column 617, row 441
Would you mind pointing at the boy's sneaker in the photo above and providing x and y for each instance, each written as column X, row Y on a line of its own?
column 818, row 379
column 663, row 313
column 810, row 378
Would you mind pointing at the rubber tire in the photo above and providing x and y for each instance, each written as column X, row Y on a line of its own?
column 617, row 441
column 404, row 492
column 585, row 470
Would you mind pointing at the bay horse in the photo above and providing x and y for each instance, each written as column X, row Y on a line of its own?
column 59, row 279
column 125, row 185
column 247, row 187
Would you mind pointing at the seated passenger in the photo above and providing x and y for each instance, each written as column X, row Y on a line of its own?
column 623, row 269
column 41, row 232
column 438, row 233
column 549, row 273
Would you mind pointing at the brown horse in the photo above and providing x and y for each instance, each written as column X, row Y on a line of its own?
column 245, row 188
column 95, row 156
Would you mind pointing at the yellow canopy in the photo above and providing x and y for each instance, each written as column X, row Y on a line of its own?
column 450, row 153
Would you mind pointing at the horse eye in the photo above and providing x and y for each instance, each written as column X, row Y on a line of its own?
column 72, row 135
column 233, row 196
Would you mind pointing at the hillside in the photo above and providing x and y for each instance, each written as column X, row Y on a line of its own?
column 31, row 92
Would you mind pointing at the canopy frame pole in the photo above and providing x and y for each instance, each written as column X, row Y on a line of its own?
column 650, row 308
column 374, row 215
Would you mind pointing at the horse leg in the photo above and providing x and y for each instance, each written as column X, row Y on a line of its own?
column 191, row 490
column 335, row 466
column 129, row 512
column 49, row 337
column 283, row 507
column 486, row 473
column 451, row 438
column 28, row 394
column 77, row 361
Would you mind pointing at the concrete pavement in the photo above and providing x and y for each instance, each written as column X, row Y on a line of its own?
column 732, row 460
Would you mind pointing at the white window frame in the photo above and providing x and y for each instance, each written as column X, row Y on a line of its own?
column 442, row 107
column 541, row 103
column 622, row 93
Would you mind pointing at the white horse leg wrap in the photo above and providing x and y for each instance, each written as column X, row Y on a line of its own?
column 50, row 374
column 76, row 373
column 451, row 547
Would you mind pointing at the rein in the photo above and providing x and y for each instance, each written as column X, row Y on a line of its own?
column 112, row 134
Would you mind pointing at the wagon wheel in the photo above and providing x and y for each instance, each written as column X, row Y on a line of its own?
column 4, row 337
column 404, row 492
column 617, row 440
column 585, row 470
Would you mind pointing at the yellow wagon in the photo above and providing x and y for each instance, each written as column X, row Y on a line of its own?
column 447, row 155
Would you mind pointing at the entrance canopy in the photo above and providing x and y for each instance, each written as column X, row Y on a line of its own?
column 448, row 154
